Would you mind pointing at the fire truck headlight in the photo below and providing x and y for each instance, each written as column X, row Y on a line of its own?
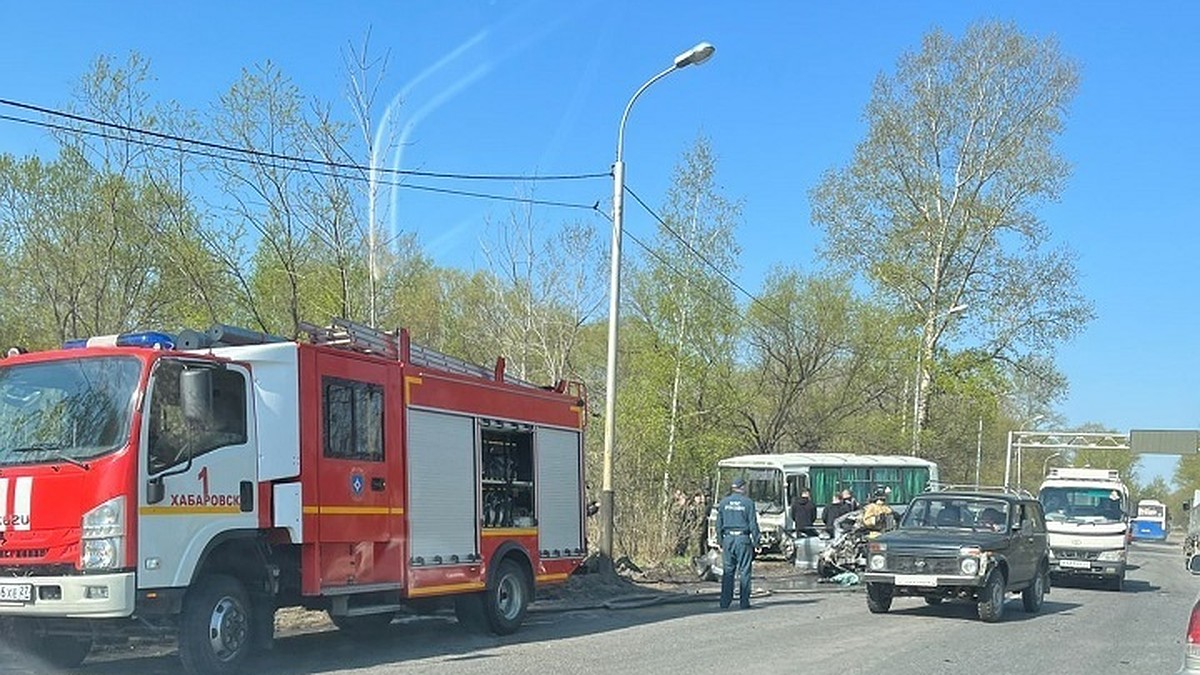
column 106, row 520
column 103, row 535
column 100, row 554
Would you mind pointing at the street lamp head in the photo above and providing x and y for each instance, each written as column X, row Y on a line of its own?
column 956, row 309
column 695, row 56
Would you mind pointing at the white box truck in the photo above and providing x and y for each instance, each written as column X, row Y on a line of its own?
column 1087, row 517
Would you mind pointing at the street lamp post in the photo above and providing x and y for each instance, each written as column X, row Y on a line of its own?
column 1046, row 462
column 979, row 450
column 916, row 439
column 694, row 56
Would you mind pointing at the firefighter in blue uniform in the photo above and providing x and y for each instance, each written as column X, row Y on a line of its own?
column 737, row 527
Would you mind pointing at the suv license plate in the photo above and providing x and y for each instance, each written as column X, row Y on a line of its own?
column 16, row 592
column 925, row 580
column 1075, row 564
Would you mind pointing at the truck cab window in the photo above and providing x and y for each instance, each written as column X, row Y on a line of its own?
column 353, row 418
column 171, row 439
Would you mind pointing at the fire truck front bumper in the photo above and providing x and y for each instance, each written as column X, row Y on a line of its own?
column 90, row 596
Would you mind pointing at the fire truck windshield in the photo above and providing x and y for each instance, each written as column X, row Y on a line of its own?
column 66, row 410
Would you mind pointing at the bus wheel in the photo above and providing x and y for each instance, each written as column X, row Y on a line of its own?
column 214, row 628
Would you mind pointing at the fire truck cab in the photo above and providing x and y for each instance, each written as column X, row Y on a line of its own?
column 192, row 484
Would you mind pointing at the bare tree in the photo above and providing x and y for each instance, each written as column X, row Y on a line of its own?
column 543, row 291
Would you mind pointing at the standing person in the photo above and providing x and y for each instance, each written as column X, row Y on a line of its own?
column 878, row 515
column 835, row 510
column 737, row 529
column 804, row 514
column 849, row 500
column 700, row 503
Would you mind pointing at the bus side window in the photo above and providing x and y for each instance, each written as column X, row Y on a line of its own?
column 795, row 484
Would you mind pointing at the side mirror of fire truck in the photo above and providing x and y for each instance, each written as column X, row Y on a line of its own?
column 196, row 404
column 155, row 490
column 196, row 397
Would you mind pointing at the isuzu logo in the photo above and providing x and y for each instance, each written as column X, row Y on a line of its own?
column 920, row 564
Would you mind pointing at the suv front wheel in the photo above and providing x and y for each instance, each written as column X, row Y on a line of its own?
column 879, row 597
column 991, row 598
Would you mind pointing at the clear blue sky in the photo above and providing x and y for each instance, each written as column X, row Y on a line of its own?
column 538, row 86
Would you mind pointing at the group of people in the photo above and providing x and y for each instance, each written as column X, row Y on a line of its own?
column 739, row 536
column 843, row 502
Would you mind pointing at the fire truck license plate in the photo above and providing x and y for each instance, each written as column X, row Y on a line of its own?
column 16, row 592
column 927, row 580
column 1076, row 564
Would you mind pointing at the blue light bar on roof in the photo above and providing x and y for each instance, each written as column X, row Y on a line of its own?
column 148, row 339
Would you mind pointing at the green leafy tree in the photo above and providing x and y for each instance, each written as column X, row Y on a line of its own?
column 679, row 343
column 189, row 285
column 938, row 207
column 263, row 112
column 823, row 368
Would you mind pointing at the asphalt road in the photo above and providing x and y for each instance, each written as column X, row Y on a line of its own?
column 1080, row 629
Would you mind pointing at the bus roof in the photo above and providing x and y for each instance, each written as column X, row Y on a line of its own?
column 791, row 461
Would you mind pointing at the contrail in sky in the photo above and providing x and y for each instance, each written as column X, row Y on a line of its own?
column 386, row 122
column 526, row 17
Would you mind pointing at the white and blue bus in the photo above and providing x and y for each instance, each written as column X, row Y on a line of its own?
column 1151, row 521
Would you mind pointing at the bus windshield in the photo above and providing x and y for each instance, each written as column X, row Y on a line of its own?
column 67, row 410
column 1151, row 510
column 764, row 486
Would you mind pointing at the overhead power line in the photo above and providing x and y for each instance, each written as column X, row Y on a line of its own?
column 291, row 158
column 699, row 256
column 249, row 158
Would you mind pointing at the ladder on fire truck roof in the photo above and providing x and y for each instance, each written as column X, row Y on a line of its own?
column 346, row 334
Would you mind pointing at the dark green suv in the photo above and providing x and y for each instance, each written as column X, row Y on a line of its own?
column 963, row 543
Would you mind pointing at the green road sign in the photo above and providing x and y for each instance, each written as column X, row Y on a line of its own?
column 1165, row 441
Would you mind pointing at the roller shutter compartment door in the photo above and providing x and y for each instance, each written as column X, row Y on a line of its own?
column 441, row 486
column 560, row 525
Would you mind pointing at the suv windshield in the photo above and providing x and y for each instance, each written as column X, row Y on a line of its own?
column 954, row 512
column 764, row 486
column 1083, row 504
column 65, row 410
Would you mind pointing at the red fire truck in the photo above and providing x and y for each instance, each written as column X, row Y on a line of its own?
column 191, row 484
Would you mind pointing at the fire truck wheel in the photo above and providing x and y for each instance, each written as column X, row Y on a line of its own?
column 214, row 628
column 507, row 598
column 58, row 651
